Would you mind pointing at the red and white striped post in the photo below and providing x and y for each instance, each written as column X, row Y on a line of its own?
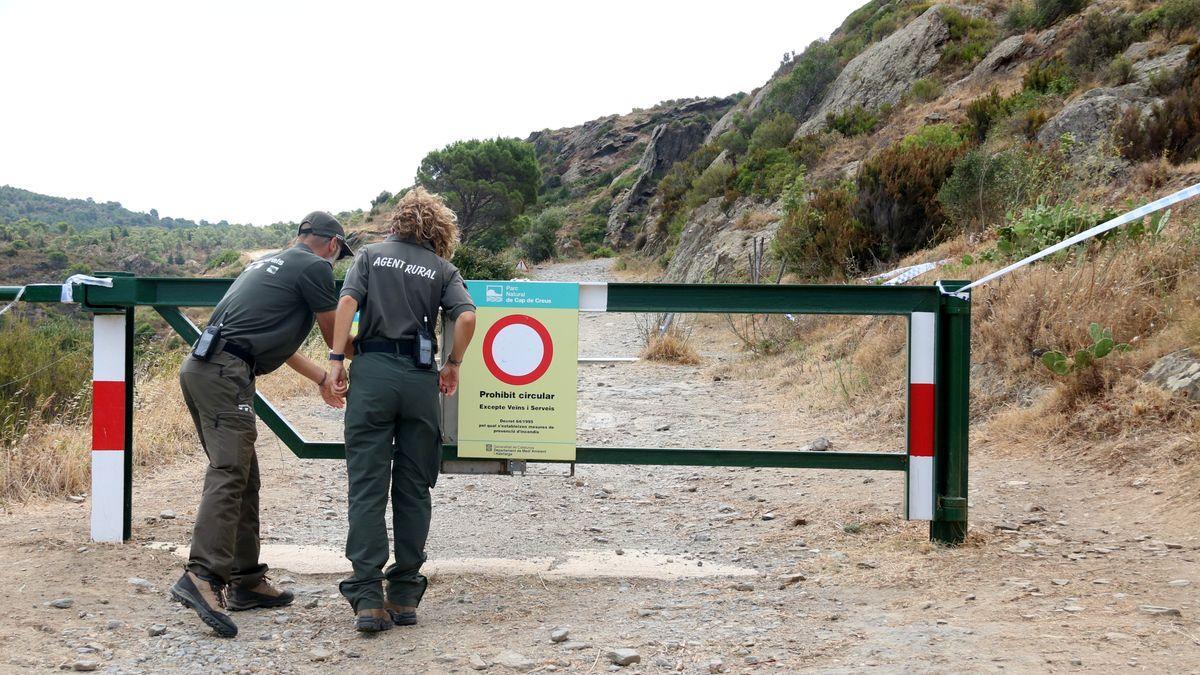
column 922, row 402
column 112, row 433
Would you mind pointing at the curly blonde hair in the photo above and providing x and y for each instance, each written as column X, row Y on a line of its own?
column 424, row 216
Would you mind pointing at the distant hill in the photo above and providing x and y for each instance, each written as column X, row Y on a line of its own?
column 16, row 204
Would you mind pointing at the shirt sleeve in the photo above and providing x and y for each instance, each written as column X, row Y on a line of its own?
column 355, row 284
column 317, row 287
column 455, row 298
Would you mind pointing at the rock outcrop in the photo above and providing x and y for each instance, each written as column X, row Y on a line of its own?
column 669, row 143
column 883, row 72
column 709, row 236
column 1168, row 62
column 1178, row 373
column 1089, row 119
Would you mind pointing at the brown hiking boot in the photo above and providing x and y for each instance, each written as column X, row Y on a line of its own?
column 263, row 595
column 372, row 621
column 206, row 595
column 402, row 615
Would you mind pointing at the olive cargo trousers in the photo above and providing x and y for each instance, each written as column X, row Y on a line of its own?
column 393, row 444
column 220, row 395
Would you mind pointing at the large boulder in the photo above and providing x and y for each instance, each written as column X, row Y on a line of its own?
column 1168, row 62
column 1003, row 56
column 1178, row 373
column 713, row 233
column 1089, row 118
column 883, row 72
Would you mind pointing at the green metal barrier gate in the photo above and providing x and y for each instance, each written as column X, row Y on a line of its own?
column 935, row 461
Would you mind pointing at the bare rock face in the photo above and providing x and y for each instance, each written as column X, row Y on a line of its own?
column 884, row 71
column 1002, row 57
column 1168, row 62
column 713, row 234
column 1178, row 373
column 669, row 143
column 1089, row 119
column 574, row 156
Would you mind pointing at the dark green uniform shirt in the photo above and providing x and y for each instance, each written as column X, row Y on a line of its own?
column 269, row 309
column 398, row 284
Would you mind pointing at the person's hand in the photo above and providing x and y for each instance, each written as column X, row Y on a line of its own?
column 448, row 379
column 337, row 378
column 331, row 397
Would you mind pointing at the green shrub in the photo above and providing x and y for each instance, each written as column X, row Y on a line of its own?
column 479, row 263
column 800, row 90
column 856, row 121
column 592, row 232
column 734, row 142
column 1047, row 12
column 47, row 374
column 1021, row 16
column 677, row 182
column 983, row 112
column 1048, row 77
column 897, row 191
column 1178, row 16
column 819, row 236
column 538, row 243
column 765, row 173
column 984, row 187
column 773, row 133
column 970, row 38
column 1041, row 226
column 1103, row 36
column 602, row 252
column 1172, row 128
column 925, row 90
column 224, row 258
column 1148, row 21
column 933, row 135
column 711, row 182
column 1120, row 70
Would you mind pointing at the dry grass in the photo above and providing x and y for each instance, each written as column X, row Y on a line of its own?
column 54, row 458
column 668, row 340
column 1147, row 292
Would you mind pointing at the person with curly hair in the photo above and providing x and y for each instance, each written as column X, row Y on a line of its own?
column 393, row 434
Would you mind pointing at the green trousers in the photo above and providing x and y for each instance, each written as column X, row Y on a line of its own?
column 393, row 445
column 220, row 394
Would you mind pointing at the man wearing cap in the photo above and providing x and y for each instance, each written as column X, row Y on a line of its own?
column 263, row 319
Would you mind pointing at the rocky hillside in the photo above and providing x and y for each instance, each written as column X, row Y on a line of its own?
column 695, row 182
column 606, row 172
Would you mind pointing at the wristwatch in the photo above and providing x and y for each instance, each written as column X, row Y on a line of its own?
column 451, row 361
column 336, row 357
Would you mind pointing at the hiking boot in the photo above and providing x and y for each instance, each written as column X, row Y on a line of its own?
column 372, row 621
column 207, row 596
column 402, row 615
column 262, row 595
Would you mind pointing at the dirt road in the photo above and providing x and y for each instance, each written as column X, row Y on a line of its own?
column 696, row 570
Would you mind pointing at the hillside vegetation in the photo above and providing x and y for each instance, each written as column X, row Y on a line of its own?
column 969, row 133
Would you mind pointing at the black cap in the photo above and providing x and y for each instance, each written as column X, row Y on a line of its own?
column 322, row 224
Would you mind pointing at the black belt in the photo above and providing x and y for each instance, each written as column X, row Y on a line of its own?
column 243, row 354
column 401, row 347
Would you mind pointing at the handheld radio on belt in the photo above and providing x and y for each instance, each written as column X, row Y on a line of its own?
column 206, row 346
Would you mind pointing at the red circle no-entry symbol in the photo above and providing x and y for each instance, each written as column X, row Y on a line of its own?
column 517, row 349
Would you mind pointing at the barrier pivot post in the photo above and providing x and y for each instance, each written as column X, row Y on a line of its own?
column 949, row 525
column 112, row 423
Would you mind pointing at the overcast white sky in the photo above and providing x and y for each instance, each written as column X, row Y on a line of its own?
column 264, row 111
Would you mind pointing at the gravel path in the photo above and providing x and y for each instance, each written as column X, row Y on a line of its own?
column 694, row 570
